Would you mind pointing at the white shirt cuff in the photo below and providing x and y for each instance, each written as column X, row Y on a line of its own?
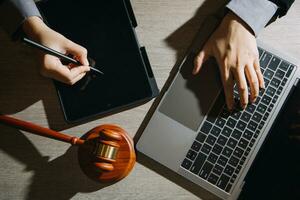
column 256, row 13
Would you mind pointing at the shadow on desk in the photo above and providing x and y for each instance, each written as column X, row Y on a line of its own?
column 58, row 179
column 21, row 86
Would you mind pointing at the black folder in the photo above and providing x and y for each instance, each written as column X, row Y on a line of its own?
column 107, row 30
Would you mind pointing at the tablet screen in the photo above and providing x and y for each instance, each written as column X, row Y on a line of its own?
column 103, row 27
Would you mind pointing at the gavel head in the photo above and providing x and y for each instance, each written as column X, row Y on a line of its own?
column 110, row 154
column 106, row 149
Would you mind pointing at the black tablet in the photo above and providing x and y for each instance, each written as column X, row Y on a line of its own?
column 106, row 29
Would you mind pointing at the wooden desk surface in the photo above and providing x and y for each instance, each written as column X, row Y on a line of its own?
column 32, row 167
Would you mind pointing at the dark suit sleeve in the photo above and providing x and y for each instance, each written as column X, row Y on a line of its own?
column 283, row 6
column 14, row 12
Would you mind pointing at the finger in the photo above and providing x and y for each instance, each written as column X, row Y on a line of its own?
column 228, row 83
column 79, row 52
column 77, row 78
column 240, row 79
column 75, row 71
column 53, row 68
column 201, row 57
column 253, row 82
column 259, row 74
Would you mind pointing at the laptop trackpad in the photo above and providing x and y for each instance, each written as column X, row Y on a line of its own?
column 189, row 97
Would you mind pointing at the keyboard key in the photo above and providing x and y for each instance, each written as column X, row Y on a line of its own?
column 228, row 170
column 266, row 100
column 205, row 171
column 222, row 140
column 232, row 143
column 270, row 91
column 206, row 149
column 220, row 122
column 252, row 125
column 290, row 71
column 212, row 158
column 247, row 151
column 284, row 66
column 283, row 82
column 279, row 90
column 186, row 164
column 233, row 161
column 215, row 131
column 196, row 146
column 248, row 134
column 271, row 106
column 241, row 125
column 201, row 137
column 211, row 140
column 191, row 155
column 217, row 149
column 242, row 161
column 279, row 74
column 250, row 108
column 228, row 187
column 236, row 134
column 266, row 82
column 231, row 123
column 222, row 183
column 238, row 152
column 265, row 60
column 218, row 169
column 206, row 127
column 236, row 114
column 275, row 98
column 213, row 178
column 261, row 108
column 233, row 178
column 226, row 131
column 227, row 152
column 222, row 160
column 274, row 63
column 238, row 169
column 246, row 117
column 268, row 74
column 256, row 117
column 225, row 113
column 275, row 82
column 198, row 163
column 243, row 143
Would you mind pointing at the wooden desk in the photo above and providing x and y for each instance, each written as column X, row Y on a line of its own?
column 32, row 167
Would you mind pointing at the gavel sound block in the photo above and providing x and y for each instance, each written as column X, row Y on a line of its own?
column 105, row 154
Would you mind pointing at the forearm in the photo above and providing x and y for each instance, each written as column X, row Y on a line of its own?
column 14, row 12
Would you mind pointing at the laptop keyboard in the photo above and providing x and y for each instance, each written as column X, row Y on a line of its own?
column 226, row 138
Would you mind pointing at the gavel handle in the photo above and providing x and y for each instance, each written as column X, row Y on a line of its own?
column 38, row 130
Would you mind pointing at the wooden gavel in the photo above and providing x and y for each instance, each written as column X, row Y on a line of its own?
column 105, row 153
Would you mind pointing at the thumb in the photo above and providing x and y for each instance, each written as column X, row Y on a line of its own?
column 201, row 57
column 79, row 52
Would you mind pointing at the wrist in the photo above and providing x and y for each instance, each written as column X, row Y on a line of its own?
column 231, row 19
column 33, row 27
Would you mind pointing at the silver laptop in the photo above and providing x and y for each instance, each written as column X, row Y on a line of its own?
column 192, row 133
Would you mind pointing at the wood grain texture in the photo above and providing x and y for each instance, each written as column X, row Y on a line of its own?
column 32, row 167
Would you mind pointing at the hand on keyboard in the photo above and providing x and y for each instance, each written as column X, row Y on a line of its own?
column 235, row 49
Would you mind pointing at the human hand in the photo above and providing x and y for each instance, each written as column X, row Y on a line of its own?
column 235, row 50
column 51, row 66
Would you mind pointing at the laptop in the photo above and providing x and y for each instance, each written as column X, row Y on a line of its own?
column 192, row 133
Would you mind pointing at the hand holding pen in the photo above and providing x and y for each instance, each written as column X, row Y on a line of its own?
column 52, row 66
